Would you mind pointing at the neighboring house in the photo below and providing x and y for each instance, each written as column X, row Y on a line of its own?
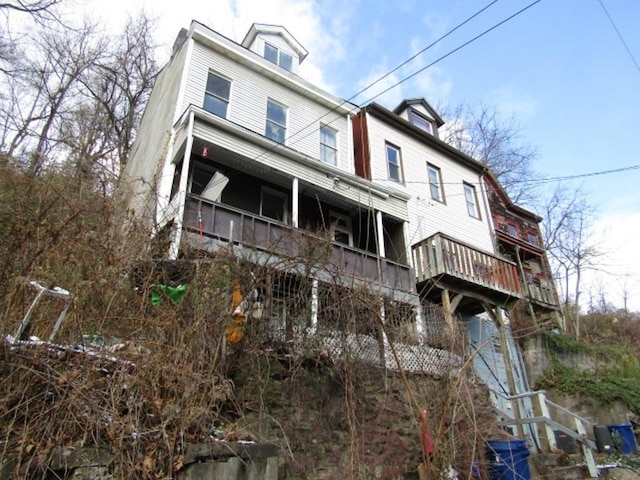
column 449, row 235
column 235, row 148
column 518, row 237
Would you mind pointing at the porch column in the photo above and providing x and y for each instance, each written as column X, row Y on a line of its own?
column 182, row 192
column 314, row 306
column 381, row 250
column 294, row 202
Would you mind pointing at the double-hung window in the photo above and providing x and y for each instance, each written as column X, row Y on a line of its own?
column 394, row 163
column 276, row 128
column 472, row 200
column 435, row 183
column 328, row 145
column 277, row 56
column 216, row 96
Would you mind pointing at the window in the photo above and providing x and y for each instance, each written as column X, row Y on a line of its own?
column 472, row 200
column 277, row 56
column 533, row 239
column 435, row 183
column 216, row 96
column 274, row 204
column 276, row 121
column 512, row 230
column 328, row 145
column 393, row 163
column 342, row 232
column 421, row 121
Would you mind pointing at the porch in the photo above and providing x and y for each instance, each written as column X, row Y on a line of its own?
column 479, row 276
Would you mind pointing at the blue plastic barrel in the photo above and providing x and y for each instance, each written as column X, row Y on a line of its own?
column 508, row 460
column 623, row 437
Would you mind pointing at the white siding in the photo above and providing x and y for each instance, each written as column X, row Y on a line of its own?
column 307, row 174
column 249, row 93
column 149, row 149
column 427, row 216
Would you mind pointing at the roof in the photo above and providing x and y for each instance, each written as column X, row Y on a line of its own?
column 419, row 101
column 504, row 196
column 257, row 28
column 410, row 129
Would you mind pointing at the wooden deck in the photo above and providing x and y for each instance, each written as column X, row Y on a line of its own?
column 465, row 269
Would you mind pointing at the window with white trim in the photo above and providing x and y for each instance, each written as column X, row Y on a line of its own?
column 328, row 145
column 394, row 163
column 421, row 121
column 472, row 200
column 278, row 57
column 276, row 128
column 435, row 182
column 216, row 95
column 342, row 229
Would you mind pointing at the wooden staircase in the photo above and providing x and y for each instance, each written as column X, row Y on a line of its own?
column 545, row 427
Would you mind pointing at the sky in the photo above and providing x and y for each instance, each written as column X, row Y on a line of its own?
column 566, row 70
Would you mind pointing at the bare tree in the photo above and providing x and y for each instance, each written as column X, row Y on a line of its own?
column 568, row 235
column 497, row 143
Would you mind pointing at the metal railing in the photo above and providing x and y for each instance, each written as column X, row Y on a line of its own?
column 441, row 255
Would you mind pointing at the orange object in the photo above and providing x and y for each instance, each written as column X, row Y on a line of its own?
column 235, row 326
column 425, row 435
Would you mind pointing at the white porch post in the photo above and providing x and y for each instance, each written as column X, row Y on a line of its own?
column 314, row 306
column 294, row 202
column 381, row 249
column 182, row 192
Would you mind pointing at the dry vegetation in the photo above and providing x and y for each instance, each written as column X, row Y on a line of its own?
column 165, row 378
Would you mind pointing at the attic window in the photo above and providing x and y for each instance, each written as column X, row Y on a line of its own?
column 278, row 57
column 421, row 121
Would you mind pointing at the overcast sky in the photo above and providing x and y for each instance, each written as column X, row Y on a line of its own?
column 560, row 68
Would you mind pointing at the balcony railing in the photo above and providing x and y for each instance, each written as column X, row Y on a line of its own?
column 542, row 294
column 230, row 224
column 440, row 255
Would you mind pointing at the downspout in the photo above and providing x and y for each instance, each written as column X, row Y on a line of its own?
column 182, row 192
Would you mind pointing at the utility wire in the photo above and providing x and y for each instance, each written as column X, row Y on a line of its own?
column 613, row 24
column 454, row 50
column 352, row 97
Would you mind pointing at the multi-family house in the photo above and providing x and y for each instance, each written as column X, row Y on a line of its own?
column 235, row 148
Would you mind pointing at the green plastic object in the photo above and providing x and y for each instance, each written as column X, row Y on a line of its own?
column 175, row 294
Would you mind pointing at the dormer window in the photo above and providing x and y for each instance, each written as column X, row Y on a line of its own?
column 278, row 57
column 421, row 121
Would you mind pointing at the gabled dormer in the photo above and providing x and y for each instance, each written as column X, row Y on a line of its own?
column 421, row 114
column 275, row 44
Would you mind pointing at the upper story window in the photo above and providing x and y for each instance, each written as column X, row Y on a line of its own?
column 421, row 121
column 394, row 163
column 277, row 56
column 532, row 238
column 216, row 96
column 472, row 200
column 328, row 145
column 276, row 121
column 435, row 183
column 512, row 230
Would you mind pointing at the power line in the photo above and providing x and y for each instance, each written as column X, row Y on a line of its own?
column 613, row 24
column 352, row 97
column 454, row 50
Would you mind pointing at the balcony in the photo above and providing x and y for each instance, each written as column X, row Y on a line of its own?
column 229, row 225
column 464, row 269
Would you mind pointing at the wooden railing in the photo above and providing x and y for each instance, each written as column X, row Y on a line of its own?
column 441, row 255
column 548, row 426
column 234, row 225
column 541, row 293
